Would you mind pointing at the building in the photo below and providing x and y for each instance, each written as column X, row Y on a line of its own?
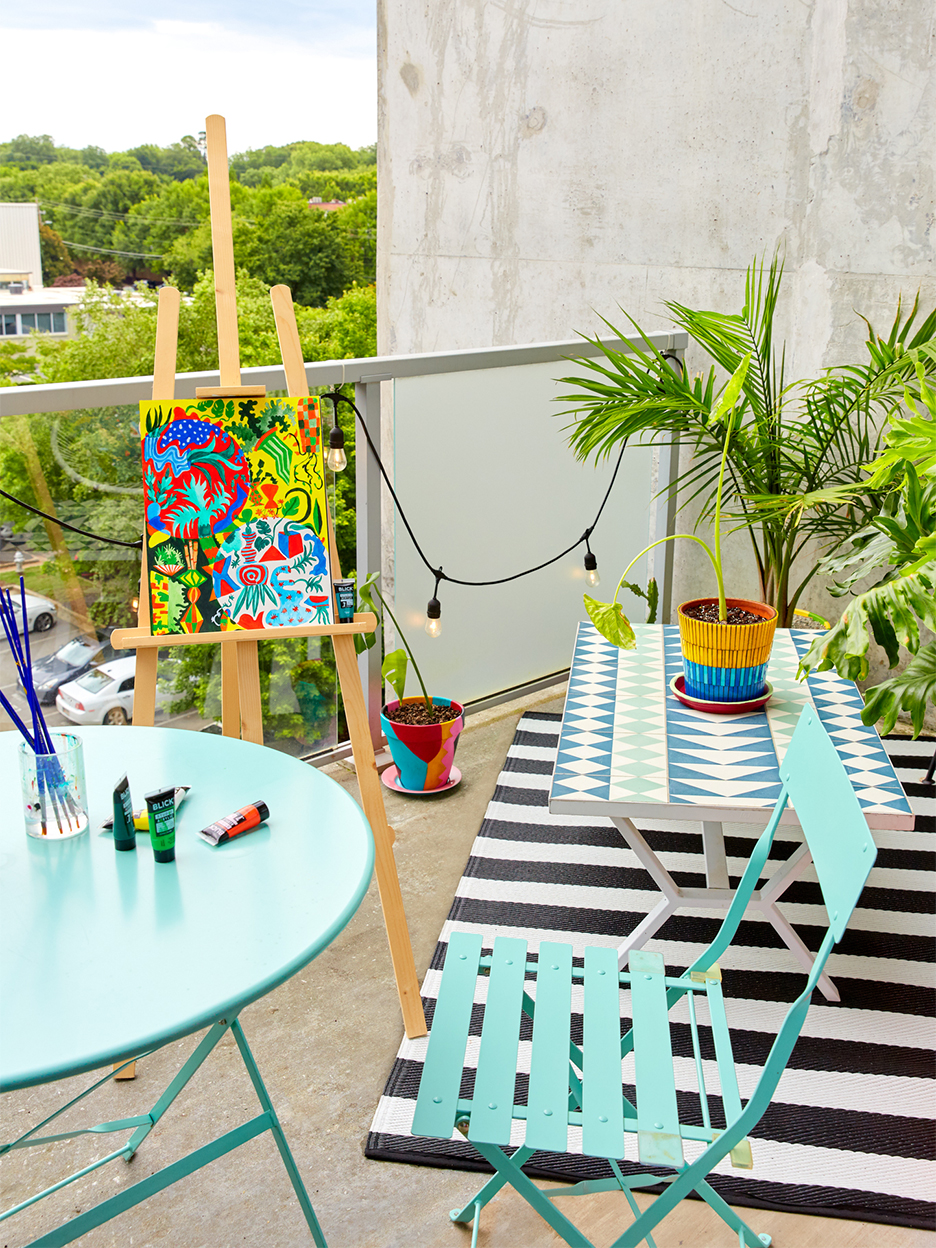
column 26, row 306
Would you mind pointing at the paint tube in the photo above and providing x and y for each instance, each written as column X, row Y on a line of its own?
column 160, row 806
column 141, row 818
column 124, row 830
column 344, row 598
column 243, row 820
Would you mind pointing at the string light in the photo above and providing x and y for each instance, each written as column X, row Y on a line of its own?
column 336, row 459
column 434, row 607
column 433, row 611
column 591, row 569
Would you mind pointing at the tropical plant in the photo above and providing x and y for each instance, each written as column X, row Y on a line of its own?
column 901, row 539
column 608, row 617
column 788, row 439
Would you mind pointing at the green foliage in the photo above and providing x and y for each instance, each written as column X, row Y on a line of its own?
column 901, row 539
column 608, row 618
column 611, row 622
column 56, row 261
column 298, row 246
column 28, row 151
column 788, row 441
column 393, row 670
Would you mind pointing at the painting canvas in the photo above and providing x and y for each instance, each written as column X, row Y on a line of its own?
column 236, row 528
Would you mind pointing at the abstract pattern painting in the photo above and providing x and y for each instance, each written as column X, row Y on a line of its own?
column 236, row 527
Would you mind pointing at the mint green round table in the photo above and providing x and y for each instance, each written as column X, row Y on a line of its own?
column 105, row 956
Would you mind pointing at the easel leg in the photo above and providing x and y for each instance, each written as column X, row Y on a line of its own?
column 248, row 687
column 230, row 691
column 144, row 688
column 388, row 882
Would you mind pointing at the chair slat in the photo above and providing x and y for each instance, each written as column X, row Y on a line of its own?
column 548, row 1100
column 658, row 1138
column 437, row 1102
column 603, row 1097
column 492, row 1105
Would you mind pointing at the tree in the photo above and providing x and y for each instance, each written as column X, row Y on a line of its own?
column 28, row 151
column 56, row 261
column 298, row 246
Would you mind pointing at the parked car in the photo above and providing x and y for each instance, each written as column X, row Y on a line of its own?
column 70, row 661
column 41, row 613
column 104, row 695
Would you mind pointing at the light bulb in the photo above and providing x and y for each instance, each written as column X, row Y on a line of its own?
column 433, row 627
column 592, row 578
column 336, row 459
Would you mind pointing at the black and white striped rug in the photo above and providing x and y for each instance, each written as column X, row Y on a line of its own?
column 851, row 1130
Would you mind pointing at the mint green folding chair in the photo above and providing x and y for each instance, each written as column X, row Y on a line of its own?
column 574, row 1085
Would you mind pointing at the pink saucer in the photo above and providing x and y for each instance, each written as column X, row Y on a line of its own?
column 678, row 687
column 391, row 778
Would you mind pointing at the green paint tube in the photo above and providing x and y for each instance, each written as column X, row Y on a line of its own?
column 124, row 829
column 160, row 807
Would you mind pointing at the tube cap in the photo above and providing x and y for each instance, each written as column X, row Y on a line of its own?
column 263, row 811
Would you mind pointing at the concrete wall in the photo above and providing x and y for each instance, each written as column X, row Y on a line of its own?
column 543, row 161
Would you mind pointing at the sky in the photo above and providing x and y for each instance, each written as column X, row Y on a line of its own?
column 114, row 74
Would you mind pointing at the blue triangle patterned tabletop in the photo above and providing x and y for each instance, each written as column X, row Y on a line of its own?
column 629, row 748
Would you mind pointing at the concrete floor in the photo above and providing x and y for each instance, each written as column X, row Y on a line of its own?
column 325, row 1042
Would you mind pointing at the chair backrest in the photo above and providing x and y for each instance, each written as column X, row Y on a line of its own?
column 836, row 831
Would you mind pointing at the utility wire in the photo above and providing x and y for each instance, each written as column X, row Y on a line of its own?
column 103, row 214
column 109, row 251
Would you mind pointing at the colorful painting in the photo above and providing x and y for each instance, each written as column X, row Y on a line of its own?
column 235, row 514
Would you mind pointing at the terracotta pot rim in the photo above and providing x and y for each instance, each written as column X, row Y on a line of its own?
column 746, row 604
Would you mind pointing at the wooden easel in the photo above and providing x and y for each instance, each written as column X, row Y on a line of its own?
column 241, row 714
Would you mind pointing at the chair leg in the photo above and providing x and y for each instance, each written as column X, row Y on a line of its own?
column 635, row 1208
column 490, row 1189
column 507, row 1166
column 747, row 1238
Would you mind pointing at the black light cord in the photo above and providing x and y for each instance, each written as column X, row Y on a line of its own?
column 108, row 541
column 337, row 397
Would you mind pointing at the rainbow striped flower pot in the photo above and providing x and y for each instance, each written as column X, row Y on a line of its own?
column 726, row 662
column 424, row 753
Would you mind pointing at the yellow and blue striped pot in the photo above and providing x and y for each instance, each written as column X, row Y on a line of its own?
column 726, row 662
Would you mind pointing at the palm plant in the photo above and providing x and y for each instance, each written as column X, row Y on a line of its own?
column 789, row 439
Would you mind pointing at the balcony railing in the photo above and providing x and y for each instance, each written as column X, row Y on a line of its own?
column 474, row 442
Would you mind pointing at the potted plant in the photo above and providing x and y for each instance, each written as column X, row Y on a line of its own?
column 725, row 641
column 806, row 437
column 422, row 732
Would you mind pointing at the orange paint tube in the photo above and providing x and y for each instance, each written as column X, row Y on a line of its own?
column 243, row 820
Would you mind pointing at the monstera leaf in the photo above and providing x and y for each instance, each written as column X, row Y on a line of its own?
column 910, row 690
column 611, row 622
column 393, row 671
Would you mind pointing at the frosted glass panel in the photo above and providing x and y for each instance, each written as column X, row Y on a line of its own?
column 484, row 471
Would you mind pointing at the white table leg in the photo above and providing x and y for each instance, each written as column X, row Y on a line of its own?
column 716, row 864
column 646, row 927
column 798, row 949
column 669, row 903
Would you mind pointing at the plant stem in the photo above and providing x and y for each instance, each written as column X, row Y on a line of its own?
column 690, row 537
column 722, row 608
column 383, row 603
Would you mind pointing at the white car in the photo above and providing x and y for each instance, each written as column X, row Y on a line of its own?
column 41, row 613
column 102, row 696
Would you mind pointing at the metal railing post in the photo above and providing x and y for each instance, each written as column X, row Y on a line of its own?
column 367, row 506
